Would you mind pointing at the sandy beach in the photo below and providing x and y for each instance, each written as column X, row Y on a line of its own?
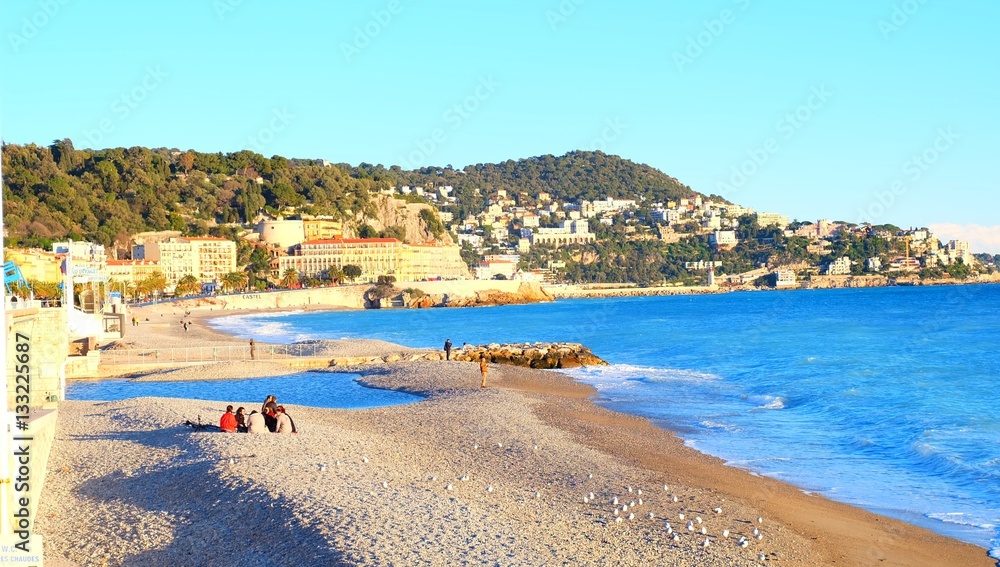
column 525, row 472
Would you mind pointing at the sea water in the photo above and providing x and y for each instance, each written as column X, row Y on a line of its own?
column 883, row 398
column 316, row 389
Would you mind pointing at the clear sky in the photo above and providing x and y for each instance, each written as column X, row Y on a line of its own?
column 858, row 110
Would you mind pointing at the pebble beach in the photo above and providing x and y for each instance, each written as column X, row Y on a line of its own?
column 526, row 472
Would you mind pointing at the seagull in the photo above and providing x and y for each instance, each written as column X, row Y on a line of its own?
column 760, row 520
column 725, row 533
column 585, row 500
column 759, row 537
column 476, row 446
column 500, row 445
column 705, row 543
column 640, row 501
column 385, row 484
column 717, row 510
column 639, row 492
column 538, row 495
column 761, row 557
column 591, row 495
column 631, row 504
column 322, row 468
column 756, row 531
column 670, row 530
column 617, row 511
column 666, row 488
column 433, row 478
column 675, row 538
column 631, row 516
column 704, row 531
column 614, row 501
column 232, row 461
column 618, row 520
column 680, row 516
column 698, row 519
column 449, row 487
column 536, row 447
column 630, row 489
column 590, row 475
column 489, row 488
column 336, row 463
column 744, row 543
column 624, row 507
column 651, row 515
column 364, row 459
column 675, row 499
column 690, row 526
column 464, row 477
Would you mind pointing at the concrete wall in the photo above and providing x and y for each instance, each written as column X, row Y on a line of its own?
column 47, row 351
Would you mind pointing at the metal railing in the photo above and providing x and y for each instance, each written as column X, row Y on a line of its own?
column 207, row 353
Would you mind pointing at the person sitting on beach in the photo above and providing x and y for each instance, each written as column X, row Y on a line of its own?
column 255, row 423
column 228, row 421
column 241, row 420
column 270, row 411
column 285, row 423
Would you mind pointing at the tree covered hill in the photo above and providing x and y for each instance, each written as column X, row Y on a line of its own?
column 108, row 195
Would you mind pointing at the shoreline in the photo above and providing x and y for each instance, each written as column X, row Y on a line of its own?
column 810, row 529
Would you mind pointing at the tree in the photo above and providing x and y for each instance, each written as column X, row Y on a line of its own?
column 234, row 280
column 352, row 272
column 290, row 278
column 187, row 285
column 186, row 160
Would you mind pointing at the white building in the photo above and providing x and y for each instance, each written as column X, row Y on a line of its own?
column 723, row 239
column 784, row 278
column 769, row 219
column 839, row 267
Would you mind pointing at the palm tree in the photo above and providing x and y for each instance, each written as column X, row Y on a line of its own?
column 234, row 280
column 290, row 278
column 188, row 285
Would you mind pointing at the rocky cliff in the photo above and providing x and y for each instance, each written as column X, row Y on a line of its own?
column 527, row 292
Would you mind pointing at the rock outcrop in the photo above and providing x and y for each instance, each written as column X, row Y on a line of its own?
column 531, row 355
column 527, row 292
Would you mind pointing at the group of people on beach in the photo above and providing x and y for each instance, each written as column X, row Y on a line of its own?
column 271, row 418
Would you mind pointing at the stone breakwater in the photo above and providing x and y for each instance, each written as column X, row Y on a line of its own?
column 526, row 292
column 531, row 355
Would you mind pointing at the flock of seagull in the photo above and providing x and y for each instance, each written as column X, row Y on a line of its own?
column 626, row 511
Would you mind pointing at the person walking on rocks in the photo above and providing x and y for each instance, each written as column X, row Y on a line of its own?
column 447, row 349
column 483, row 368
column 253, row 350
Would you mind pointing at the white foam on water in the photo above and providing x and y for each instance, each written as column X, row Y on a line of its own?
column 268, row 327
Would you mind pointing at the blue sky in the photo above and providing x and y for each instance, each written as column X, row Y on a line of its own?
column 875, row 110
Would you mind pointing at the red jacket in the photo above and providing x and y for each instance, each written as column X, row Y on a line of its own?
column 228, row 422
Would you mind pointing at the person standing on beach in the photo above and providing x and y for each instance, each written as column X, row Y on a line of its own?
column 253, row 350
column 483, row 368
column 228, row 421
column 447, row 349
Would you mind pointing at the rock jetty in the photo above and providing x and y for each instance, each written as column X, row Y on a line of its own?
column 531, row 355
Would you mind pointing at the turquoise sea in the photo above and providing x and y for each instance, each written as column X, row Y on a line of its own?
column 883, row 398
